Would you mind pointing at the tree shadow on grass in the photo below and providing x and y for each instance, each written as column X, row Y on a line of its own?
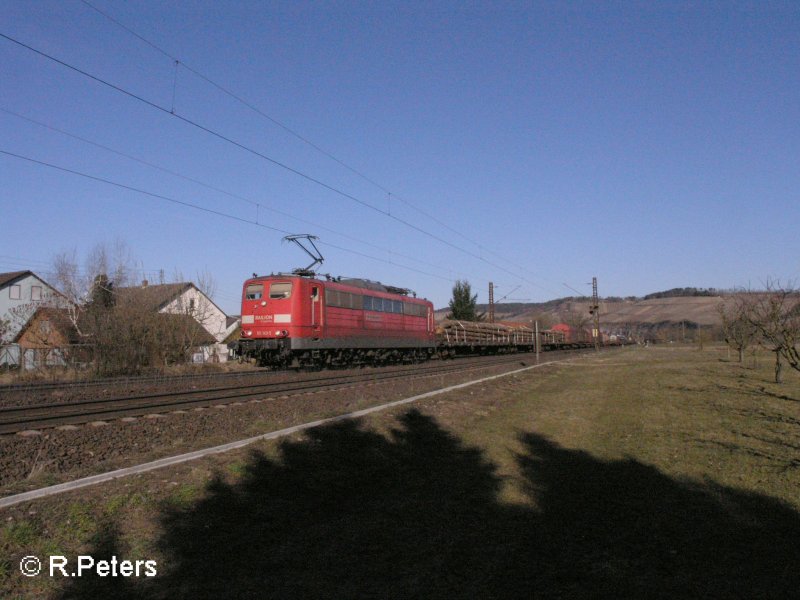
column 349, row 513
column 623, row 528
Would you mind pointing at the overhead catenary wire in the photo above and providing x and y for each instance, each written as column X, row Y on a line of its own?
column 249, row 201
column 45, row 268
column 263, row 156
column 209, row 210
column 238, row 98
column 574, row 290
column 225, row 90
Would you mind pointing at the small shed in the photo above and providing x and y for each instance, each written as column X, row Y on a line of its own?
column 50, row 339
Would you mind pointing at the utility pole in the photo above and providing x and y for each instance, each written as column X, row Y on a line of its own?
column 536, row 339
column 595, row 311
column 491, row 302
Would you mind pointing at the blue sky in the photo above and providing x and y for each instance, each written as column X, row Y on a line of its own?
column 652, row 145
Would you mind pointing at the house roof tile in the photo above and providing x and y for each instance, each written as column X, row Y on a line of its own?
column 154, row 297
column 6, row 278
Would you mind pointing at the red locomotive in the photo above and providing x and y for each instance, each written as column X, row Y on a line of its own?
column 299, row 320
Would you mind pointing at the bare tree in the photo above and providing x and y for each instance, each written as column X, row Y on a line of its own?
column 106, row 265
column 546, row 320
column 737, row 329
column 775, row 315
column 115, row 336
column 206, row 283
column 115, row 261
column 5, row 330
column 19, row 315
column 131, row 327
column 195, row 308
column 578, row 321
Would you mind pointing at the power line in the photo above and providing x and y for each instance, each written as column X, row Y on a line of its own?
column 574, row 290
column 194, row 124
column 220, row 190
column 178, row 62
column 236, row 97
column 261, row 155
column 207, row 210
column 44, row 267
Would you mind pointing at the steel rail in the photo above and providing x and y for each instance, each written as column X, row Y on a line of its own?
column 39, row 386
column 22, row 398
column 189, row 456
column 16, row 419
column 12, row 388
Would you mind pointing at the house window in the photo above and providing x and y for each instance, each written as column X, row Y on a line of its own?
column 191, row 304
column 36, row 292
column 15, row 292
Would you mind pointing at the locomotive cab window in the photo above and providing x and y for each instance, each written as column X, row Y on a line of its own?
column 279, row 291
column 254, row 291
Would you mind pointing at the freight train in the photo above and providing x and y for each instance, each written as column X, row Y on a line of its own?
column 294, row 321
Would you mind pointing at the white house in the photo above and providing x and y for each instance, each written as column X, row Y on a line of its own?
column 185, row 298
column 21, row 294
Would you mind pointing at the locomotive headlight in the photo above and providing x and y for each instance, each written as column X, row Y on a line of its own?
column 263, row 303
column 248, row 333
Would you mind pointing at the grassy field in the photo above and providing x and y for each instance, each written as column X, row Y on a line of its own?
column 657, row 472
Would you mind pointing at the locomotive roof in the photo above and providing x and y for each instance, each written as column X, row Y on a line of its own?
column 375, row 286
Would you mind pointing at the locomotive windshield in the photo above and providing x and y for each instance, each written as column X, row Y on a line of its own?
column 254, row 291
column 278, row 291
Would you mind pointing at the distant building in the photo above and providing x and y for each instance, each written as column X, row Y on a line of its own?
column 50, row 339
column 185, row 298
column 22, row 293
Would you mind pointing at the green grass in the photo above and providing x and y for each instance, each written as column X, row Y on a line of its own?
column 645, row 471
column 689, row 413
column 182, row 496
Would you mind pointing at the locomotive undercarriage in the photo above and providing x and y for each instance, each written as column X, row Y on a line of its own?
column 279, row 354
column 286, row 358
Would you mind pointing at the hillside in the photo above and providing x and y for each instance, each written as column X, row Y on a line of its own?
column 694, row 310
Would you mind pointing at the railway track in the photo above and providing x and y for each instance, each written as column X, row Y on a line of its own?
column 10, row 389
column 21, row 418
column 45, row 386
